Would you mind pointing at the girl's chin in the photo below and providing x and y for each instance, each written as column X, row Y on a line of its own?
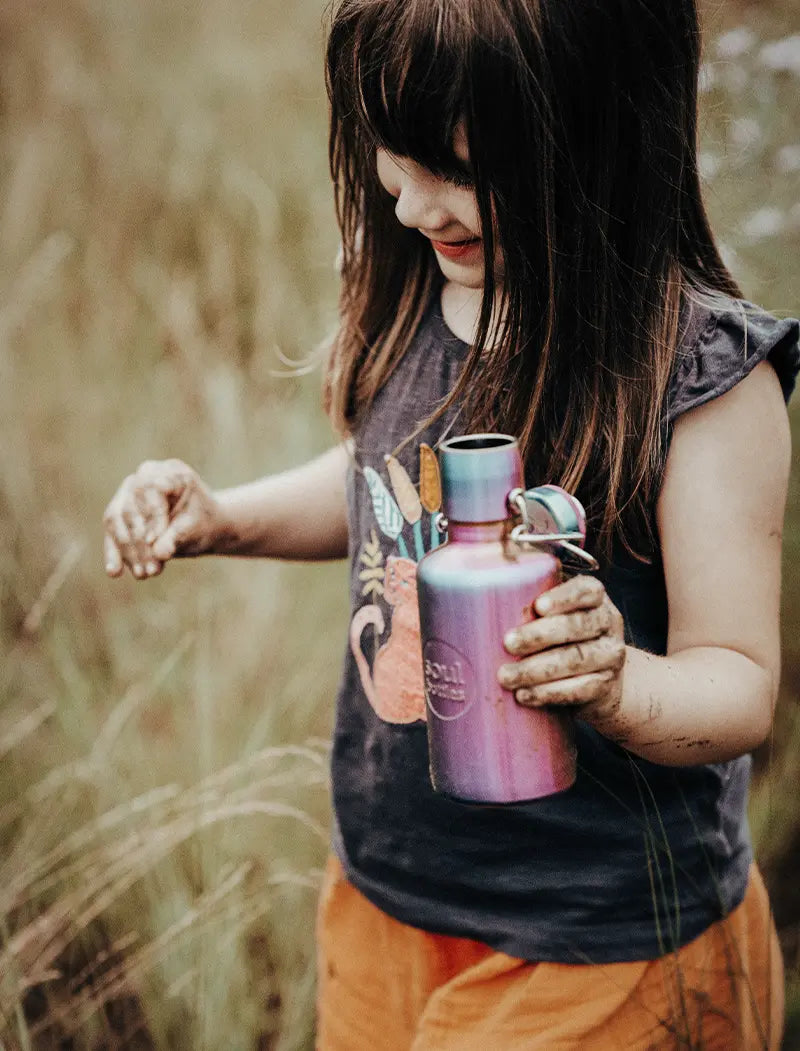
column 460, row 273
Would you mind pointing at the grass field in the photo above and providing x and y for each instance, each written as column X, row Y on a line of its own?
column 166, row 249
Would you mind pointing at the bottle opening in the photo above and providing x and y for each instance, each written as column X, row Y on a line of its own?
column 473, row 442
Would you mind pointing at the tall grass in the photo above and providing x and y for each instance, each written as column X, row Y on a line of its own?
column 167, row 270
column 165, row 276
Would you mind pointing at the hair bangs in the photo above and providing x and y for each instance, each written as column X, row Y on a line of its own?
column 404, row 82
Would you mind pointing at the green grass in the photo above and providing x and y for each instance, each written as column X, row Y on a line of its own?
column 167, row 247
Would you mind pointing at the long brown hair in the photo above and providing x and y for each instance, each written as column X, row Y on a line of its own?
column 580, row 120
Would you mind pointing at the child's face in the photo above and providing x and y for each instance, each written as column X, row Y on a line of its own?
column 443, row 210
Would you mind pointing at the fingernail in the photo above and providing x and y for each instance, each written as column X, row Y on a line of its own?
column 110, row 568
column 138, row 571
column 511, row 640
column 543, row 604
column 151, row 568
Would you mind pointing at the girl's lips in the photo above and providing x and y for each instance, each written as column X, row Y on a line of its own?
column 457, row 249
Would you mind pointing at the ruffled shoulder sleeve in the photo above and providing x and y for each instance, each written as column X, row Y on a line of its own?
column 723, row 345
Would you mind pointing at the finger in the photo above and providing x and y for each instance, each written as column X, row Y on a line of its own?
column 154, row 509
column 112, row 557
column 115, row 526
column 578, row 593
column 555, row 630
column 119, row 533
column 563, row 662
column 170, row 477
column 175, row 536
column 579, row 689
column 137, row 553
column 153, row 567
column 134, row 522
column 157, row 488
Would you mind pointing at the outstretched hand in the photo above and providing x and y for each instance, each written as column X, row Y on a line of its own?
column 572, row 653
column 163, row 510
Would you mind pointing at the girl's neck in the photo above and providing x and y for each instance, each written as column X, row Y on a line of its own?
column 461, row 309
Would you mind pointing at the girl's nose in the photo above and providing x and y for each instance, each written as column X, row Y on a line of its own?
column 419, row 204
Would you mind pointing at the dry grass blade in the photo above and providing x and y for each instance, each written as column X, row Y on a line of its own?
column 106, row 879
column 123, row 977
column 24, row 728
column 34, row 282
column 135, row 698
column 68, row 561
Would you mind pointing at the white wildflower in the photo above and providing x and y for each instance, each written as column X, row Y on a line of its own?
column 782, row 56
column 709, row 165
column 787, row 159
column 764, row 223
column 736, row 42
column 745, row 133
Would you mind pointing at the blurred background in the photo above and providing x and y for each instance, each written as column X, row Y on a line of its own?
column 166, row 277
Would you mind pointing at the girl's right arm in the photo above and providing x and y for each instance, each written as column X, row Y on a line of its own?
column 164, row 510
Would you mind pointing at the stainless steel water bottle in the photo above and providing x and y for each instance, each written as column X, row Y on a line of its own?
column 498, row 558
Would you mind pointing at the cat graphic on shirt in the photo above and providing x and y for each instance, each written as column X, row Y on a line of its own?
column 394, row 686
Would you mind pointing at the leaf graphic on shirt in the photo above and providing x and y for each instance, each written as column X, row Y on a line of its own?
column 371, row 558
column 371, row 554
column 430, row 482
column 404, row 490
column 387, row 513
column 371, row 574
column 372, row 588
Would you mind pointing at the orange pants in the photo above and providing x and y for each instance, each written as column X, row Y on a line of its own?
column 384, row 986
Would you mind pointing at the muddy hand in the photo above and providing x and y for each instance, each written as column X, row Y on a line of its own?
column 162, row 510
column 573, row 653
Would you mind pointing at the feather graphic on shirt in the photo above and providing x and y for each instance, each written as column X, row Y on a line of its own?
column 387, row 513
column 430, row 486
column 404, row 490
column 407, row 499
column 430, row 482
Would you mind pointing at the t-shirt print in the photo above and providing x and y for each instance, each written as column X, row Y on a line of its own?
column 392, row 681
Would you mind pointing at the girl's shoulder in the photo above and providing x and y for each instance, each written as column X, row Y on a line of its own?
column 722, row 340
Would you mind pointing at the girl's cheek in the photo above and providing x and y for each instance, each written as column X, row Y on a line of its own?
column 472, row 217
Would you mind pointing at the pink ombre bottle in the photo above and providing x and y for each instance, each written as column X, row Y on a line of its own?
column 483, row 746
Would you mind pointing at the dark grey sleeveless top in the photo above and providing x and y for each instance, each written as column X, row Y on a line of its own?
column 632, row 861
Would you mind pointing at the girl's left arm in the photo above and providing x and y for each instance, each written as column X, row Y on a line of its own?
column 720, row 521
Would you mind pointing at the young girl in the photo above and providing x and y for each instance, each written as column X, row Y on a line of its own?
column 525, row 249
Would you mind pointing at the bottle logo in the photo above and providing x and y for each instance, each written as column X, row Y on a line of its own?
column 448, row 679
